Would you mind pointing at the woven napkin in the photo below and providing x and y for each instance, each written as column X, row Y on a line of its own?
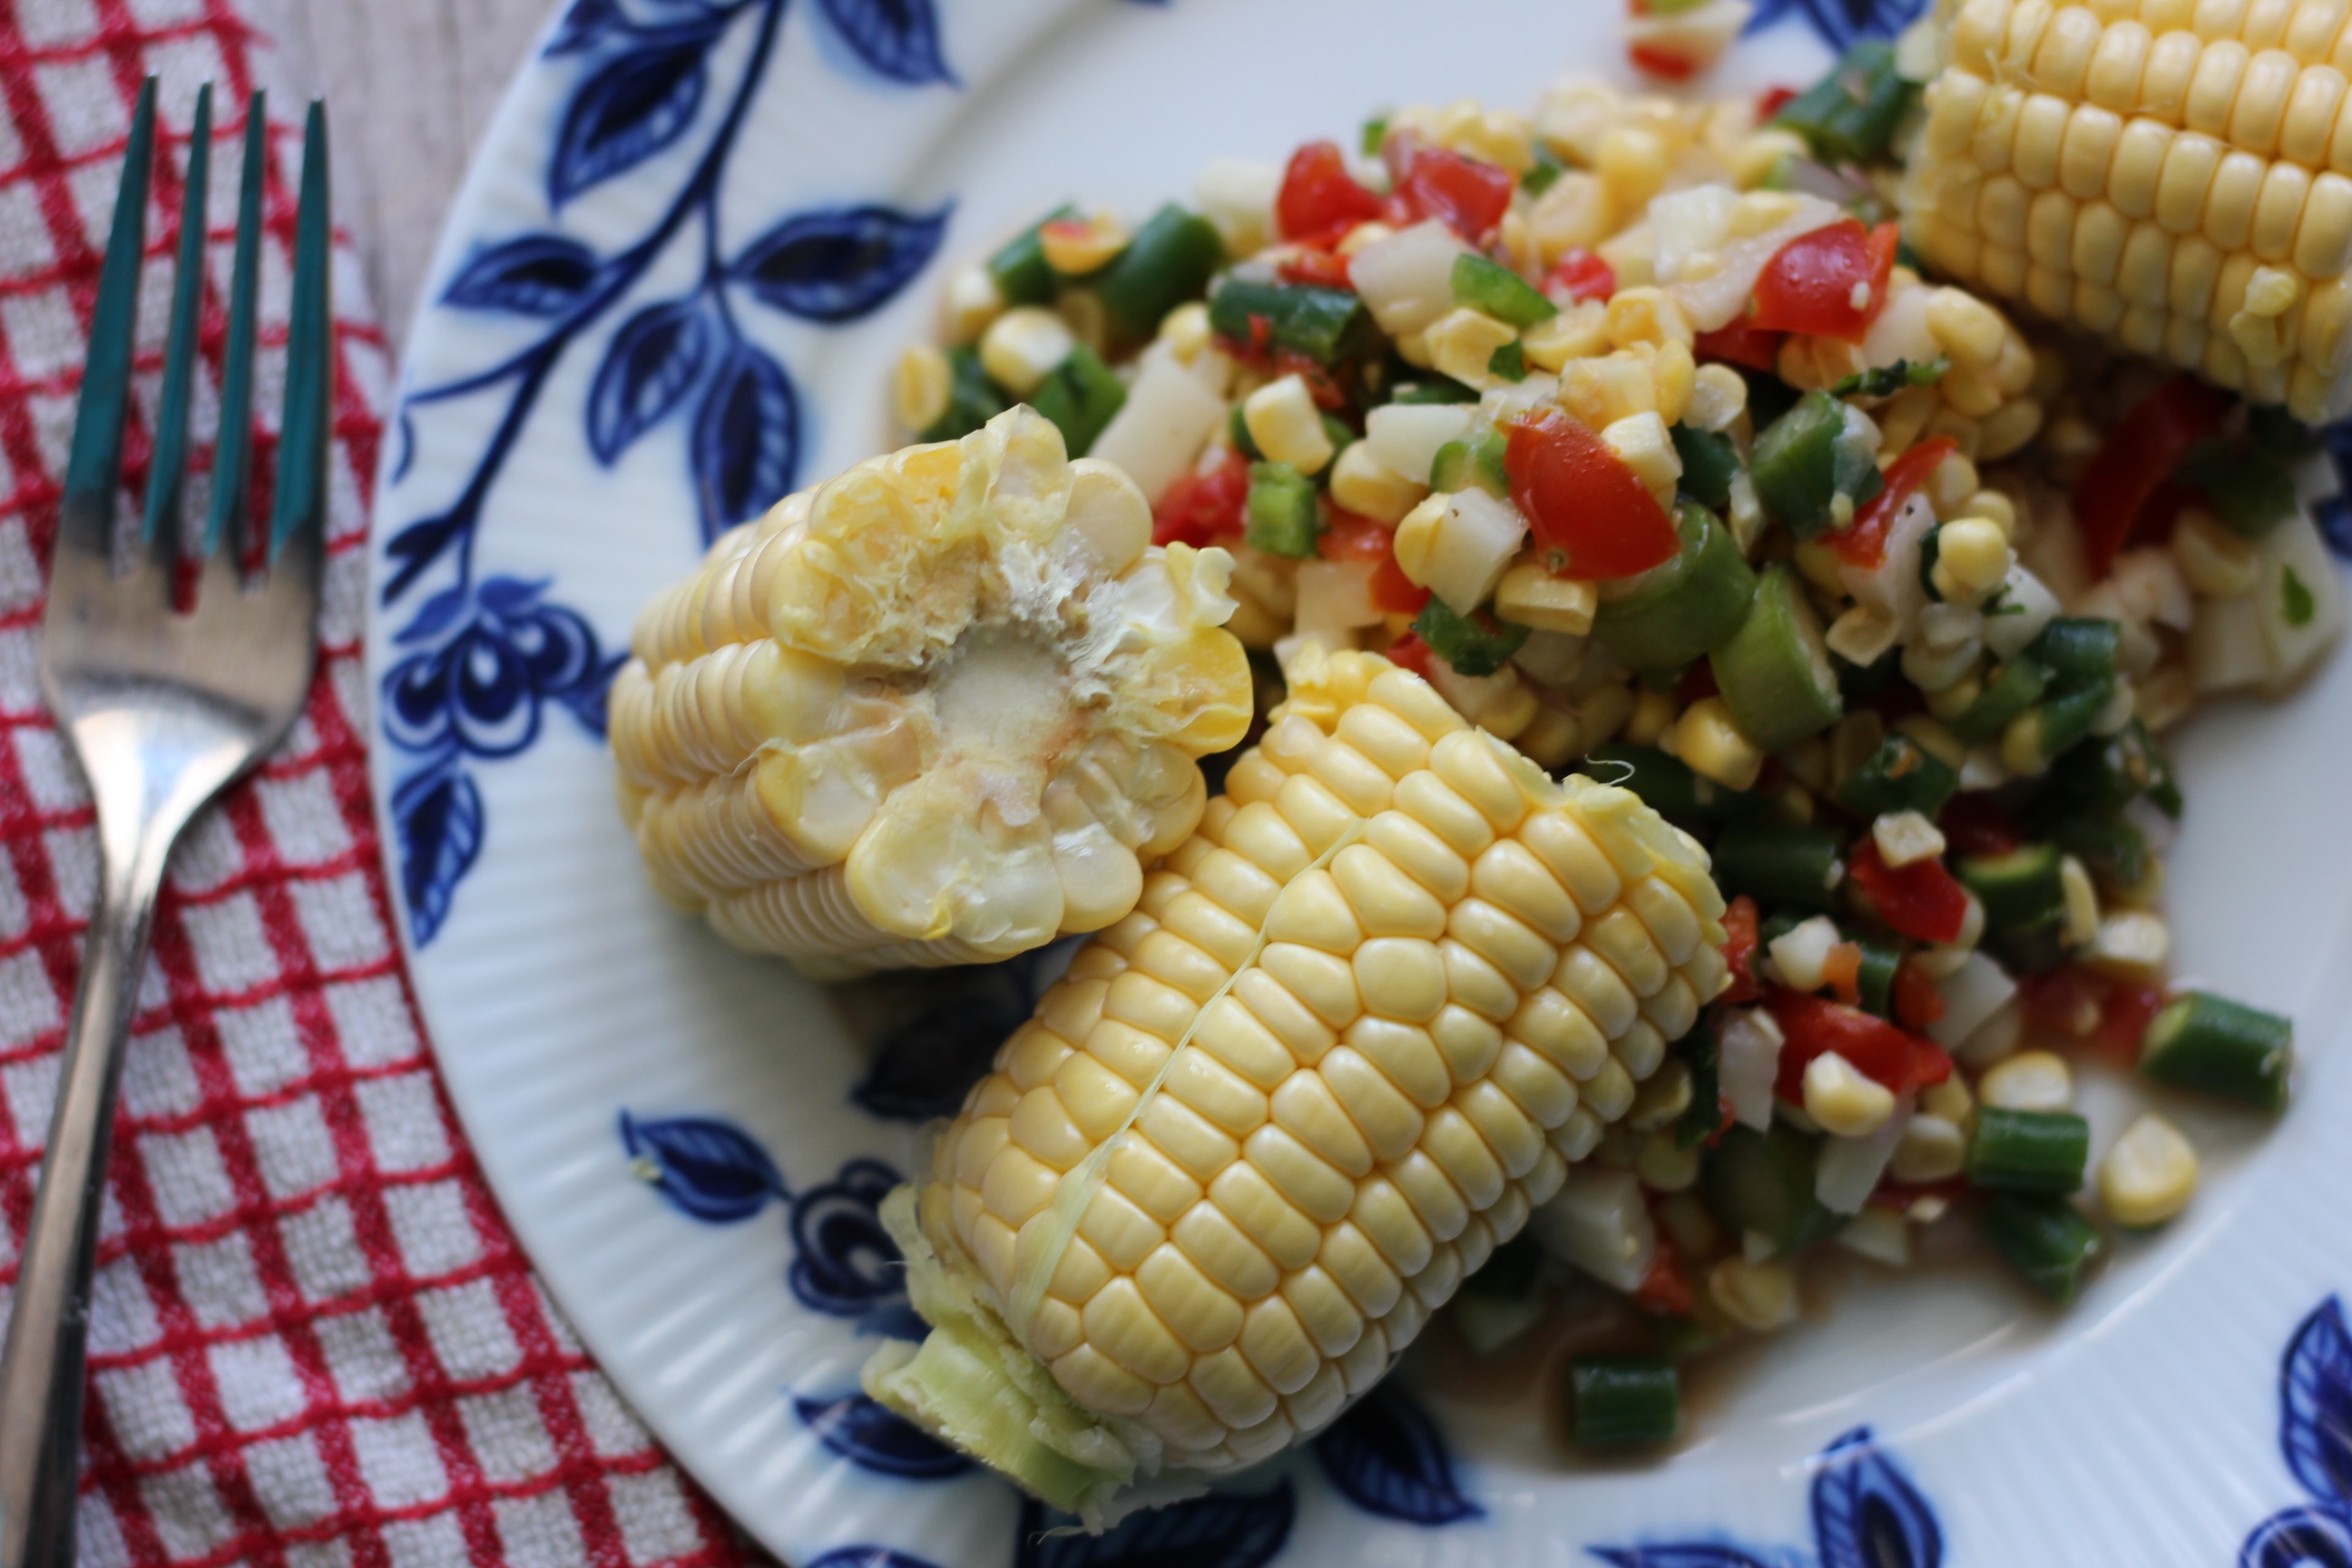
column 314, row 1340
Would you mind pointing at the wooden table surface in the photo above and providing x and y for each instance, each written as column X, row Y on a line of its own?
column 413, row 84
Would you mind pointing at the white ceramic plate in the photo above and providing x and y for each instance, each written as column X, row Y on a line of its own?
column 699, row 235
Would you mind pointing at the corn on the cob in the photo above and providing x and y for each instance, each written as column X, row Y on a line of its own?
column 937, row 709
column 2175, row 178
column 1361, row 1022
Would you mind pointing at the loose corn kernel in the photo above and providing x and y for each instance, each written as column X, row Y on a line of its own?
column 973, row 300
column 1906, row 837
column 1969, row 332
column 1642, row 440
column 1282, row 418
column 1074, row 246
column 1843, row 1100
column 1530, row 595
column 1760, row 1296
column 1759, row 155
column 1661, row 1100
column 1878, row 1234
column 2081, row 902
column 2030, row 1080
column 1362, row 484
column 1185, row 329
column 2214, row 562
column 2007, row 430
column 2149, row 1174
column 1972, row 559
column 2131, row 945
column 1647, row 315
column 1458, row 546
column 1600, row 391
column 1462, row 340
column 1710, row 744
column 1023, row 347
column 1994, row 508
column 1718, row 396
column 919, row 389
column 1652, row 716
column 1633, row 164
column 1949, row 487
column 1949, row 1100
column 1580, row 332
column 1363, row 235
column 1575, row 214
column 1665, row 1164
column 1932, row 1148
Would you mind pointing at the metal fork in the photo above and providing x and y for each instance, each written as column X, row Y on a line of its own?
column 166, row 697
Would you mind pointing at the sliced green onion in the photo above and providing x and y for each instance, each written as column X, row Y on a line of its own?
column 1493, row 290
column 1282, row 513
column 1886, row 381
column 2028, row 1150
column 2111, row 849
column 1477, row 644
column 2250, row 491
column 2044, row 1238
column 2065, row 719
column 1325, row 324
column 1782, row 865
column 1880, row 960
column 1901, row 775
column 2014, row 688
column 1546, row 169
column 1510, row 363
column 1673, row 612
column 2019, row 890
column 1774, row 672
column 1808, row 458
column 972, row 399
column 1080, row 395
column 1238, row 436
column 2077, row 650
column 1168, row 262
column 1475, row 460
column 1849, row 115
column 1710, row 462
column 1019, row 269
column 1376, row 132
column 2215, row 1046
column 1763, row 1182
column 1625, row 1399
column 1701, row 1118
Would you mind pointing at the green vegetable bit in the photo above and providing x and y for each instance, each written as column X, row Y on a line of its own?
column 1081, row 396
column 1625, row 1399
column 1774, row 672
column 1889, row 380
column 2028, row 1150
column 1666, row 785
column 2297, row 605
column 1763, row 1182
column 1477, row 644
column 1702, row 1116
column 1476, row 461
column 1281, row 512
column 2014, row 688
column 1019, row 269
column 1493, row 289
column 1169, row 262
column 1901, row 775
column 1546, row 171
column 2046, row 1239
column 1436, row 389
column 972, row 399
column 1849, row 115
column 1683, row 608
column 1510, row 362
column 1710, row 462
column 1327, row 325
column 2250, row 491
column 1808, row 458
column 2021, row 892
column 1782, row 865
column 2215, row 1046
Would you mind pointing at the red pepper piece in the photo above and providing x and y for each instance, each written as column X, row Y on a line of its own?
column 1842, row 973
column 2067, row 1000
column 2140, row 453
column 1864, row 543
column 1351, row 536
column 1666, row 1289
column 1811, row 284
column 1740, row 945
column 1200, row 509
column 1583, row 274
column 1589, row 513
column 1319, row 194
column 1317, row 268
column 1772, row 100
column 1741, row 343
column 1918, row 1003
column 1815, row 1026
column 1661, row 63
column 1430, row 181
column 1395, row 594
column 2124, row 1019
column 1921, row 899
column 1409, row 652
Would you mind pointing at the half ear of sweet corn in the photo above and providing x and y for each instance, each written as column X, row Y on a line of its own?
column 2175, row 177
column 1361, row 1022
column 940, row 708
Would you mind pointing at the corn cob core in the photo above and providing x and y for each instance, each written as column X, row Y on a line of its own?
column 938, row 709
column 2174, row 176
column 1360, row 1021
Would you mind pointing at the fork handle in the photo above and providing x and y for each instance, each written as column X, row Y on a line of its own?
column 41, row 1369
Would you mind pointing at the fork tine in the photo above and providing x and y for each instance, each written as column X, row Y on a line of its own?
column 94, row 470
column 167, row 474
column 232, row 451
column 301, row 502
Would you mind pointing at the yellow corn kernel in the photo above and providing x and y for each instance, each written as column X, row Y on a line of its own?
column 1370, row 488
column 2149, row 1174
column 1600, row 392
column 1530, row 595
column 1972, row 559
column 1760, row 1297
column 2215, row 562
column 1186, row 331
column 1075, row 247
column 1575, row 214
column 1758, row 154
column 1647, row 315
column 2131, row 945
column 1642, row 440
column 1580, row 332
column 1023, row 347
column 1843, row 1100
column 1718, row 396
column 1710, row 744
column 1932, row 1148
column 2081, row 902
column 1282, row 418
column 972, row 302
column 919, row 389
column 1905, row 837
column 1653, row 714
column 1633, row 164
column 2030, row 1080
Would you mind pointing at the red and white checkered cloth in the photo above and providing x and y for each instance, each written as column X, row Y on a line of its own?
column 315, row 1341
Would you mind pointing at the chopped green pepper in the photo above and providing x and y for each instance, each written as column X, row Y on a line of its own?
column 1710, row 462
column 1493, row 289
column 1849, row 115
column 1763, row 1182
column 1169, row 262
column 1774, row 672
column 1625, row 1399
column 1475, row 644
column 2014, row 688
column 1810, row 458
column 1510, row 363
column 1673, row 612
column 1019, row 269
column 1080, row 395
column 1281, row 510
column 1474, row 460
column 1886, row 381
column 972, row 399
column 2250, row 491
column 1901, row 775
column 1325, row 324
column 1782, row 865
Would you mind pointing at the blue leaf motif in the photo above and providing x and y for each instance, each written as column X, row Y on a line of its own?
column 877, row 1438
column 845, row 1263
column 533, row 275
column 1868, row 1514
column 712, row 1170
column 867, row 1557
column 922, row 1065
column 433, row 617
column 629, row 108
column 2334, row 514
column 1678, row 1554
column 840, row 264
column 437, row 815
column 652, row 363
column 1841, row 22
column 747, row 437
column 2300, row 1538
column 583, row 25
column 898, row 39
column 2316, row 1405
column 1220, row 1531
column 1387, row 1457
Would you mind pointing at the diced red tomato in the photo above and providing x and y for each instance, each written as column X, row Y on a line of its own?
column 1813, row 283
column 1879, row 1051
column 1665, row 64
column 1319, row 194
column 2067, row 1000
column 1583, row 275
column 1921, row 899
column 1327, row 394
column 1350, row 536
column 2124, row 1019
column 1741, row 343
column 1842, row 971
column 1665, row 1290
column 1772, row 100
column 2140, row 453
column 1200, row 509
column 1318, row 269
column 1409, row 652
column 1430, row 181
column 1918, row 1003
column 1590, row 513
column 1395, row 594
column 1864, row 543
column 1740, row 945
column 1973, row 825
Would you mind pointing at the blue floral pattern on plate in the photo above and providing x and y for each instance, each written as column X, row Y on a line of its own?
column 1841, row 22
column 1385, row 1455
column 1866, row 1513
column 492, row 651
column 2316, row 1438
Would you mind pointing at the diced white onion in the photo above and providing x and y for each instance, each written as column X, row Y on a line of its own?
column 2025, row 607
column 1972, row 993
column 1599, row 1223
column 1166, row 420
column 1405, row 437
column 2227, row 650
column 1892, row 587
column 1335, row 596
column 1879, row 1234
column 1847, row 1169
column 1237, row 194
column 1747, row 1062
column 1690, row 223
column 2302, row 618
column 1406, row 278
column 1713, row 303
column 1901, row 332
